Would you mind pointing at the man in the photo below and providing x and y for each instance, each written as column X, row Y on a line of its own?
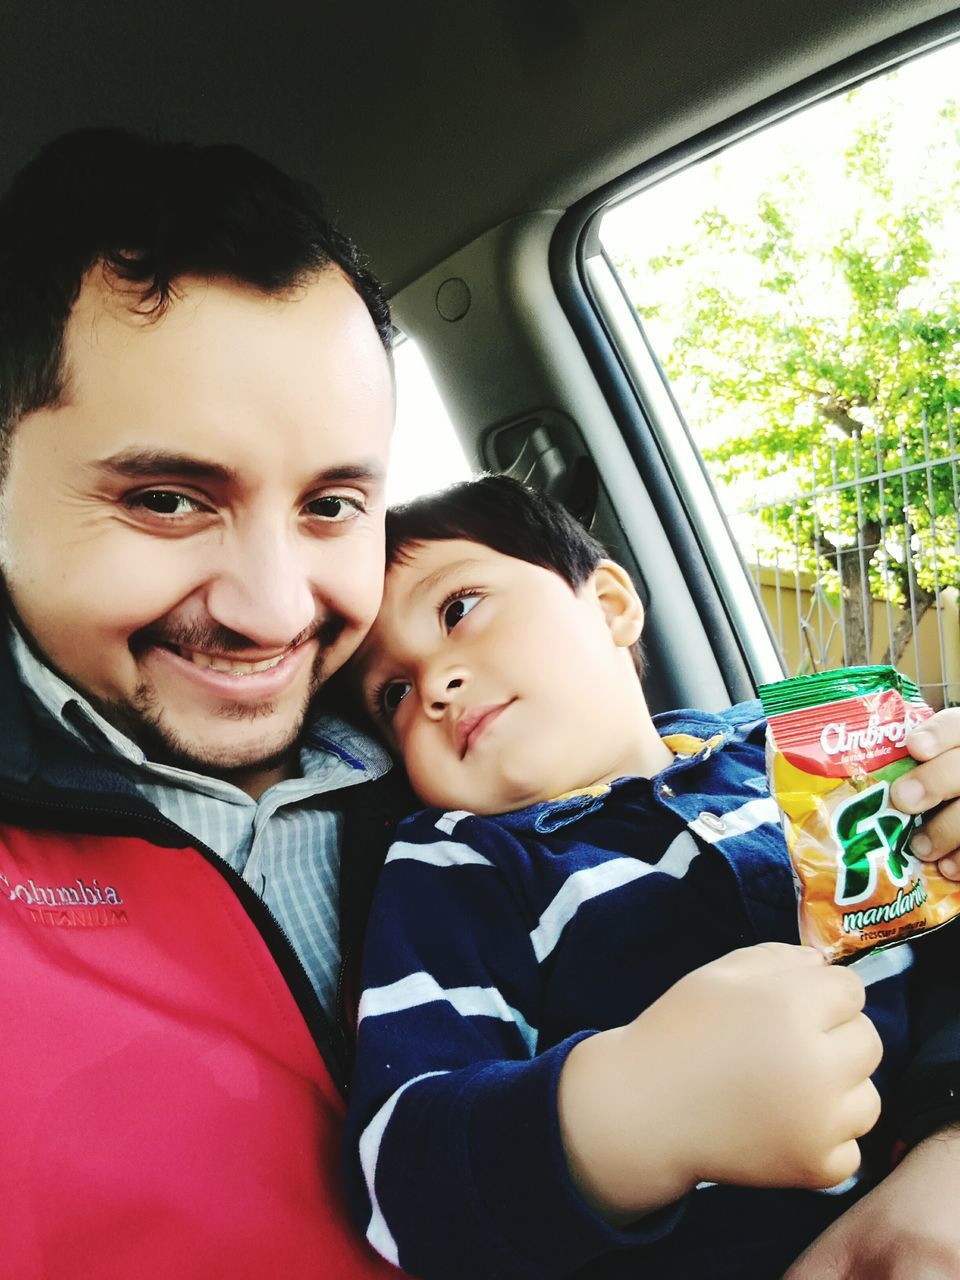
column 196, row 411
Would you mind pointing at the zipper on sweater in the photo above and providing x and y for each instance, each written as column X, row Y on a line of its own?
column 329, row 1035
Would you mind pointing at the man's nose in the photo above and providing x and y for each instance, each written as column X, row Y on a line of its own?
column 263, row 589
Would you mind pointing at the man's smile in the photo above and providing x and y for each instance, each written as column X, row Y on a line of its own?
column 221, row 662
column 233, row 678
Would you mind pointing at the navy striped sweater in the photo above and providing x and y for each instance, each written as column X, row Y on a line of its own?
column 496, row 944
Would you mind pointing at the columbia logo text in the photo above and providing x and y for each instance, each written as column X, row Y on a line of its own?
column 80, row 904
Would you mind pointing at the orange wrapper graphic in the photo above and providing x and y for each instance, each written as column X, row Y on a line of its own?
column 835, row 744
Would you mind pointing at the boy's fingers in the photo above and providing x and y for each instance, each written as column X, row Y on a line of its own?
column 862, row 1109
column 857, row 1049
column 840, row 995
column 928, row 784
column 842, row 1164
column 772, row 957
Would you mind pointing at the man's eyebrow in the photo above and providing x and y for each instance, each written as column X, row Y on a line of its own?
column 147, row 464
column 366, row 472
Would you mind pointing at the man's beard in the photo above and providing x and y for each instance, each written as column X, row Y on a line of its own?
column 142, row 718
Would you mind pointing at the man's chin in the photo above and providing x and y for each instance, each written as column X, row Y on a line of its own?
column 225, row 749
column 223, row 761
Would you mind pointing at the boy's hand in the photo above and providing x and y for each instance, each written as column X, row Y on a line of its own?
column 752, row 1070
column 936, row 780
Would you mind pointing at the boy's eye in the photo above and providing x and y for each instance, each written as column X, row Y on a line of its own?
column 455, row 611
column 391, row 695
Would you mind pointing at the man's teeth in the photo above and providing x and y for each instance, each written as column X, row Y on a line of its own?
column 235, row 666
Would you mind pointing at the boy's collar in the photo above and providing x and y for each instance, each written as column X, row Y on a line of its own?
column 688, row 748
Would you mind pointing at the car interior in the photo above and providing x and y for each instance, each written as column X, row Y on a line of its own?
column 472, row 151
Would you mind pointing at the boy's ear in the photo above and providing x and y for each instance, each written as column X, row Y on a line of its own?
column 619, row 602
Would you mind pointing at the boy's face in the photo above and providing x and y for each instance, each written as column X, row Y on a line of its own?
column 498, row 683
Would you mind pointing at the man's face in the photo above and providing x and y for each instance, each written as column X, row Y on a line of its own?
column 194, row 538
column 498, row 683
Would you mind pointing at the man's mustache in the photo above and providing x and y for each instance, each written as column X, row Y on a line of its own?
column 213, row 638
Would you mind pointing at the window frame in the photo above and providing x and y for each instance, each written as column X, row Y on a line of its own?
column 638, row 393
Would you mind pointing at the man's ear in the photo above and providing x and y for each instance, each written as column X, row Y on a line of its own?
column 619, row 602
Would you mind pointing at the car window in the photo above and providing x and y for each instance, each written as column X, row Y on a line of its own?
column 426, row 453
column 798, row 302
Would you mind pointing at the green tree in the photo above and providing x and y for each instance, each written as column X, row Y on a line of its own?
column 830, row 359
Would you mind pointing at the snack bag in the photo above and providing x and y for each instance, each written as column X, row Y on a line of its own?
column 835, row 743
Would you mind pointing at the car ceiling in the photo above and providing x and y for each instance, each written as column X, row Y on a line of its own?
column 427, row 123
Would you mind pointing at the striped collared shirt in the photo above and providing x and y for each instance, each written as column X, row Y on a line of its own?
column 288, row 851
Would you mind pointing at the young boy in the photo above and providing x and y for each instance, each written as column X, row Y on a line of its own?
column 571, row 1051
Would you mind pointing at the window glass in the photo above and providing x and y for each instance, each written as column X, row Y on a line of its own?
column 426, row 453
column 801, row 292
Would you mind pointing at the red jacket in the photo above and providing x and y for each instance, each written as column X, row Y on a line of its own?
column 167, row 1078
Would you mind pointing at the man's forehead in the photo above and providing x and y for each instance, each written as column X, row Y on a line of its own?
column 189, row 391
column 104, row 297
column 219, row 348
column 105, row 286
column 107, row 302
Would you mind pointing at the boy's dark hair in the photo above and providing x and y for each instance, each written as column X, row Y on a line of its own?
column 503, row 514
column 152, row 212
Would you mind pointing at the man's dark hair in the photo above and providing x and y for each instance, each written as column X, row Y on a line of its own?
column 501, row 513
column 152, row 212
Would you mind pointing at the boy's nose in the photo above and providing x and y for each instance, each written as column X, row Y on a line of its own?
column 439, row 690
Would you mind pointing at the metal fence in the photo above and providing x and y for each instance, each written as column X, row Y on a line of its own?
column 855, row 552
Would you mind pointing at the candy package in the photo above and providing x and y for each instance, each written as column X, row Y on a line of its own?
column 835, row 743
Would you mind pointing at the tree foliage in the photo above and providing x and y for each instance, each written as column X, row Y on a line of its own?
column 830, row 357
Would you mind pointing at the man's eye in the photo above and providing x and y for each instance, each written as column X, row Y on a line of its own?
column 391, row 695
column 455, row 611
column 164, row 502
column 334, row 507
